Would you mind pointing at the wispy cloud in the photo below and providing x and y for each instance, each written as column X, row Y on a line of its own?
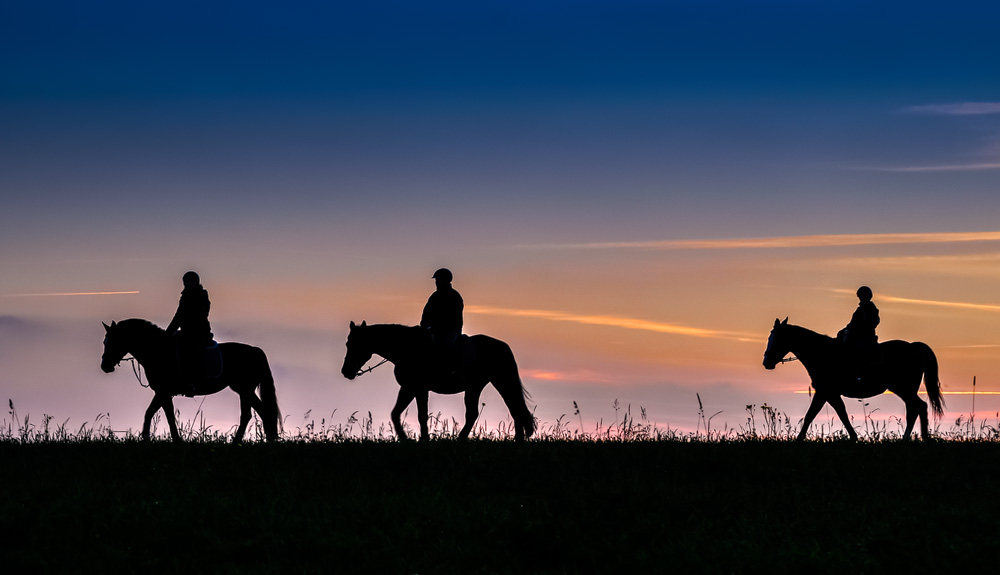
column 980, row 265
column 950, row 109
column 613, row 321
column 951, row 304
column 936, row 168
column 575, row 376
column 832, row 240
column 68, row 294
column 928, row 302
column 957, row 109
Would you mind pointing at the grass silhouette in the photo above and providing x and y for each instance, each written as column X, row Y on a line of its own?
column 348, row 498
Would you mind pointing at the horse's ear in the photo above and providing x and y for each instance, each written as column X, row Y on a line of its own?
column 785, row 322
column 352, row 325
column 777, row 322
column 107, row 327
column 113, row 323
column 364, row 323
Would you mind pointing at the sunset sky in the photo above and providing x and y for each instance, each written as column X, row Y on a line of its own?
column 628, row 193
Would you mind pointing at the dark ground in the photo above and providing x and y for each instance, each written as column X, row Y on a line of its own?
column 499, row 507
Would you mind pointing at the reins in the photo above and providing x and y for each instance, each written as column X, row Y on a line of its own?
column 136, row 369
column 370, row 369
column 788, row 360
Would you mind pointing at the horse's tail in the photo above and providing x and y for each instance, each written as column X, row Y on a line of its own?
column 508, row 384
column 528, row 422
column 931, row 382
column 268, row 396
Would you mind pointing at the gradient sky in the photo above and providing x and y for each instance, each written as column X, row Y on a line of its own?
column 628, row 193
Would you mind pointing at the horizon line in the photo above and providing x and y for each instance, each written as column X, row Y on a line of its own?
column 919, row 393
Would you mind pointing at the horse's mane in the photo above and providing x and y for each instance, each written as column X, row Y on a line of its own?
column 807, row 333
column 141, row 325
column 401, row 327
column 396, row 331
column 392, row 327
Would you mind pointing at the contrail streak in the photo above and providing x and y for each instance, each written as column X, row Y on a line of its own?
column 69, row 294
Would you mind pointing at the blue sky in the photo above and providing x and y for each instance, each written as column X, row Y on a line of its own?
column 542, row 99
column 316, row 160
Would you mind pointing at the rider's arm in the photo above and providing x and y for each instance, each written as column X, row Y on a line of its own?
column 176, row 322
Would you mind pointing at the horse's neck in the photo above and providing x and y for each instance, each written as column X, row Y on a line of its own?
column 145, row 339
column 392, row 341
column 809, row 346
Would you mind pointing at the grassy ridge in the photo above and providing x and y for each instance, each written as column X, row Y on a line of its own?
column 498, row 507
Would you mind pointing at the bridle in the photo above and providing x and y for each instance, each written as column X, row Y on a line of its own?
column 370, row 369
column 783, row 360
column 136, row 366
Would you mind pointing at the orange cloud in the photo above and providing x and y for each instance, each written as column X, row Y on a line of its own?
column 612, row 321
column 971, row 265
column 829, row 240
column 578, row 375
column 954, row 304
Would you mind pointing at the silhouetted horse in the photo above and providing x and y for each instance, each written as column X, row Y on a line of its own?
column 244, row 369
column 835, row 374
column 417, row 372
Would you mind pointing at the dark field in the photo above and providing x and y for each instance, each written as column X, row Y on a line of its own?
column 499, row 507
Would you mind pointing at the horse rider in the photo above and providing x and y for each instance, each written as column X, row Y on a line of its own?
column 859, row 335
column 190, row 324
column 442, row 315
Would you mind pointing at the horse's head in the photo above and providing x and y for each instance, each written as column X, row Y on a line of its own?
column 777, row 344
column 358, row 351
column 114, row 348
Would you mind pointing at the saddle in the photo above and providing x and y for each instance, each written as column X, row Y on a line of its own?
column 451, row 360
column 203, row 362
column 861, row 351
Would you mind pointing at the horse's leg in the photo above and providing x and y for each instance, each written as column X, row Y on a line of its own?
column 817, row 404
column 168, row 410
column 150, row 412
column 838, row 405
column 471, row 410
column 270, row 430
column 402, row 400
column 245, row 415
column 922, row 412
column 422, row 414
column 268, row 419
column 915, row 407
